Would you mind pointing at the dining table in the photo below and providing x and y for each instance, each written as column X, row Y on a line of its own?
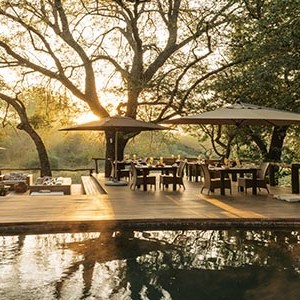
column 145, row 169
column 237, row 170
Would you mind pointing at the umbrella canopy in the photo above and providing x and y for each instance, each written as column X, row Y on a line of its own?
column 241, row 114
column 116, row 124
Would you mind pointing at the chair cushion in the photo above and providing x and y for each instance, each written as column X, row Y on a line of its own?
column 288, row 197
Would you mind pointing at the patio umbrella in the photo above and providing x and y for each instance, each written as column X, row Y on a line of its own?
column 241, row 114
column 116, row 124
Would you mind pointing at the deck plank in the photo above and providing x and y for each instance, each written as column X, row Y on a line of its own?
column 90, row 186
column 123, row 206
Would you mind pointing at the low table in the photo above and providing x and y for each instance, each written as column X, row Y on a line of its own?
column 64, row 186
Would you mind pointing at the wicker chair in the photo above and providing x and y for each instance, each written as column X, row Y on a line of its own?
column 261, row 181
column 213, row 183
column 121, row 171
column 166, row 180
column 138, row 180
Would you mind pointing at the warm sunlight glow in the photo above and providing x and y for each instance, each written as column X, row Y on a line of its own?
column 86, row 117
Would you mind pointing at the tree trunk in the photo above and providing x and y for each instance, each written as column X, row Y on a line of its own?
column 133, row 94
column 275, row 150
column 110, row 149
column 25, row 125
column 40, row 147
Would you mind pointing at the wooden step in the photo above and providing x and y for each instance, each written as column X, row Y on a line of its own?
column 90, row 186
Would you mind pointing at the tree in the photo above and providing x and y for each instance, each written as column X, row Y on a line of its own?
column 269, row 73
column 153, row 47
column 37, row 109
column 26, row 126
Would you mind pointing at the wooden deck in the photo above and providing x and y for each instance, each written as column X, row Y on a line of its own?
column 154, row 209
column 90, row 186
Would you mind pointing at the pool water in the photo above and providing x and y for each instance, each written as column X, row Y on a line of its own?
column 187, row 264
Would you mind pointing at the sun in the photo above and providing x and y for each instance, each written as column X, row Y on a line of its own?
column 86, row 117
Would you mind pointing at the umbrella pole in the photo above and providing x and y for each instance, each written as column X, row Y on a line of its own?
column 116, row 157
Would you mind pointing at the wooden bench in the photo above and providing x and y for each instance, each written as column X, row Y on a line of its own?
column 90, row 186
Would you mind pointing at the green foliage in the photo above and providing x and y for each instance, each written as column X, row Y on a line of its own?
column 157, row 144
column 267, row 46
column 38, row 121
column 46, row 108
column 31, row 162
column 291, row 151
column 54, row 161
column 75, row 150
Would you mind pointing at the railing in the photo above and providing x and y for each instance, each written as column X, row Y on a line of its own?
column 91, row 170
column 96, row 160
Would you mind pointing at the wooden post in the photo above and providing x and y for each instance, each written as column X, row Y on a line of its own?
column 234, row 177
column 96, row 164
column 295, row 178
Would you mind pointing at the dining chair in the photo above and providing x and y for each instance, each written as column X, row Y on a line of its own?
column 211, row 183
column 194, row 171
column 122, row 172
column 165, row 180
column 138, row 180
column 261, row 180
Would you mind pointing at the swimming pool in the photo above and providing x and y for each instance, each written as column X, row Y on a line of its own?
column 181, row 264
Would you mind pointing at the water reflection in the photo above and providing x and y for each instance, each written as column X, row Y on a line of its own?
column 195, row 264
